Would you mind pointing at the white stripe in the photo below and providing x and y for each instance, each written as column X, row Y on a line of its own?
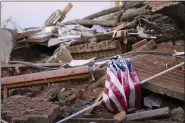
column 107, row 84
column 114, row 99
column 132, row 92
column 116, row 82
column 107, row 102
column 106, row 98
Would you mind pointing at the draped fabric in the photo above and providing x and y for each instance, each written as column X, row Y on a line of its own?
column 122, row 86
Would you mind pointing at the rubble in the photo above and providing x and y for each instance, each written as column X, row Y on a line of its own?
column 25, row 109
column 43, row 77
column 61, row 68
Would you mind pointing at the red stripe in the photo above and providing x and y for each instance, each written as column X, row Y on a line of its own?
column 117, row 93
column 137, row 87
column 123, row 79
column 115, row 109
column 126, row 86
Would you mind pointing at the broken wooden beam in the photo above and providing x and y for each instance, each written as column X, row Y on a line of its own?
column 43, row 78
column 42, row 36
column 44, row 75
column 58, row 16
column 139, row 44
column 7, row 66
column 156, row 113
column 51, row 80
column 27, row 33
column 148, row 114
column 131, row 13
column 86, row 22
column 103, row 12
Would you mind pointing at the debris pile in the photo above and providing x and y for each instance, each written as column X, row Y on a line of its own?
column 63, row 67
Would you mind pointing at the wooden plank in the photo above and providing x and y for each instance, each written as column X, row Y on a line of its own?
column 58, row 16
column 120, row 116
column 5, row 93
column 51, row 80
column 103, row 12
column 44, row 75
column 148, row 114
column 139, row 44
column 68, row 37
column 27, row 33
column 39, row 37
column 67, row 9
column 4, row 67
column 86, row 22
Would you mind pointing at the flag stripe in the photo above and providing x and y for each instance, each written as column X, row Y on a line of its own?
column 122, row 86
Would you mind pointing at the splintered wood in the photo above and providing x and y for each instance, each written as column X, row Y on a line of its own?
column 58, row 16
column 43, row 78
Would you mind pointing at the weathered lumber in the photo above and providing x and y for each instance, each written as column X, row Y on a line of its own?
column 103, row 12
column 45, row 81
column 139, row 44
column 128, row 4
column 129, row 14
column 4, row 67
column 148, row 114
column 132, row 4
column 111, row 16
column 162, row 112
column 57, row 16
column 62, row 39
column 124, row 25
column 27, row 33
column 39, row 37
column 120, row 116
column 86, row 22
column 44, row 75
column 43, row 78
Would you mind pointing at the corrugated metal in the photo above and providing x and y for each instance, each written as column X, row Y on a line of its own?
column 171, row 83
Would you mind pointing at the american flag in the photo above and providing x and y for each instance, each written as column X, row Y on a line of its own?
column 122, row 86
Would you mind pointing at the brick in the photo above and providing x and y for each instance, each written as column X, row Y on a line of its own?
column 30, row 110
